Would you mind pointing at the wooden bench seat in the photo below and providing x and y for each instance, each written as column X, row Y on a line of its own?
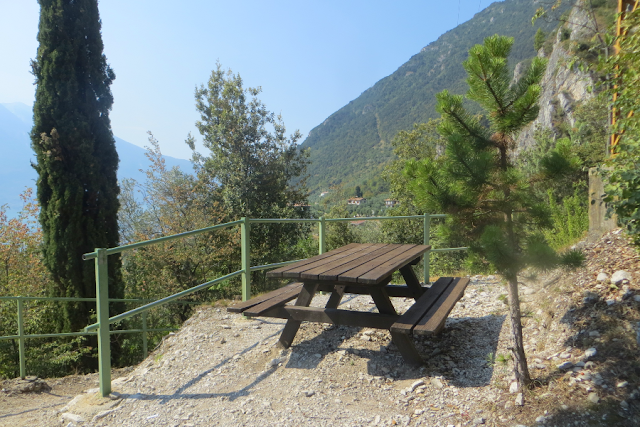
column 263, row 303
column 429, row 313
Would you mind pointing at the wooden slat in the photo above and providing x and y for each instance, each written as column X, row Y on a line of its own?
column 279, row 271
column 388, row 267
column 407, row 321
column 342, row 317
column 239, row 308
column 392, row 290
column 335, row 257
column 281, row 299
column 433, row 321
column 335, row 262
column 331, row 272
column 352, row 275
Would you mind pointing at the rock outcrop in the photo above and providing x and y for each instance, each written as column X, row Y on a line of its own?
column 562, row 86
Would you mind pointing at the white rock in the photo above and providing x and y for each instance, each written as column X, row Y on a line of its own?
column 74, row 418
column 565, row 366
column 519, row 400
column 593, row 397
column 624, row 405
column 602, row 277
column 589, row 353
column 416, row 385
column 513, row 388
column 619, row 276
column 622, row 384
column 594, row 334
column 636, row 298
column 437, row 383
column 309, row 393
column 103, row 414
column 611, row 301
column 541, row 419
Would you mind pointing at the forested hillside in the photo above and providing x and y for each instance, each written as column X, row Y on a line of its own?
column 353, row 144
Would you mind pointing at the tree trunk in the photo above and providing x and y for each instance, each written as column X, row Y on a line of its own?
column 520, row 367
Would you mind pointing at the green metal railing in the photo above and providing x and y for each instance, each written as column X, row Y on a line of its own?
column 21, row 337
column 102, row 326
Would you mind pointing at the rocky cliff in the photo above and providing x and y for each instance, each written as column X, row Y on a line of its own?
column 563, row 85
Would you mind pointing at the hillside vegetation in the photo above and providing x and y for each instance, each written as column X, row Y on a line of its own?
column 353, row 144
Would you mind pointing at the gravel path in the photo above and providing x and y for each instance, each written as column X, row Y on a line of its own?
column 222, row 369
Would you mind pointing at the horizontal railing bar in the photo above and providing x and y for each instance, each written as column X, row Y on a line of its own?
column 133, row 331
column 276, row 220
column 61, row 334
column 88, row 299
column 448, row 249
column 372, row 218
column 165, row 300
column 277, row 264
column 118, row 249
column 74, row 334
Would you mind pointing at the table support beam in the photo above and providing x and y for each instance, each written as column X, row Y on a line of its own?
column 291, row 328
column 412, row 281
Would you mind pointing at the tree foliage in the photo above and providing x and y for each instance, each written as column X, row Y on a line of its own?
column 623, row 191
column 259, row 170
column 76, row 156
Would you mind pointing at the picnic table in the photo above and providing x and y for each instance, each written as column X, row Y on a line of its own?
column 360, row 269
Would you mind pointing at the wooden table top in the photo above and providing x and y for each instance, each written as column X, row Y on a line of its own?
column 356, row 263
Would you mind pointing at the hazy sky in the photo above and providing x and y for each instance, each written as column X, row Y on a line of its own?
column 310, row 57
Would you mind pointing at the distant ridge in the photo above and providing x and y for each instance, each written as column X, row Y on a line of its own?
column 352, row 145
column 16, row 172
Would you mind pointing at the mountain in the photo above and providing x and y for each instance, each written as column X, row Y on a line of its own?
column 16, row 172
column 352, row 145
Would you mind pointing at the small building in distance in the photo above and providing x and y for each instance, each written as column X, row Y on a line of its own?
column 390, row 203
column 324, row 193
column 356, row 201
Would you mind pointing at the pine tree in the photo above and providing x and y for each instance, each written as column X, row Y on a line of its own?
column 477, row 182
column 77, row 161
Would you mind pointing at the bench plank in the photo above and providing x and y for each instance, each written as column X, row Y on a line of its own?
column 434, row 320
column 281, row 299
column 407, row 321
column 239, row 308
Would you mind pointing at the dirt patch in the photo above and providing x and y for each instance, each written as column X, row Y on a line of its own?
column 38, row 405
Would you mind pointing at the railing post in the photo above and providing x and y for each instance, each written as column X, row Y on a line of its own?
column 22, row 355
column 245, row 229
column 425, row 257
column 102, row 302
column 321, row 231
column 144, row 334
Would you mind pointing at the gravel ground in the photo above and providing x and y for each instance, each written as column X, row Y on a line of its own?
column 223, row 369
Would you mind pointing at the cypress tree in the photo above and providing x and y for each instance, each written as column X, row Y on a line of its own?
column 77, row 187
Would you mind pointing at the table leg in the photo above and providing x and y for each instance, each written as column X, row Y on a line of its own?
column 291, row 328
column 336, row 296
column 382, row 301
column 402, row 341
column 412, row 281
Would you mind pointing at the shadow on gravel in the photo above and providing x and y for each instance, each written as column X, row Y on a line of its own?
column 180, row 393
column 465, row 352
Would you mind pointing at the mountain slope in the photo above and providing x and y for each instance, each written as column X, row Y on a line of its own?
column 16, row 172
column 353, row 144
